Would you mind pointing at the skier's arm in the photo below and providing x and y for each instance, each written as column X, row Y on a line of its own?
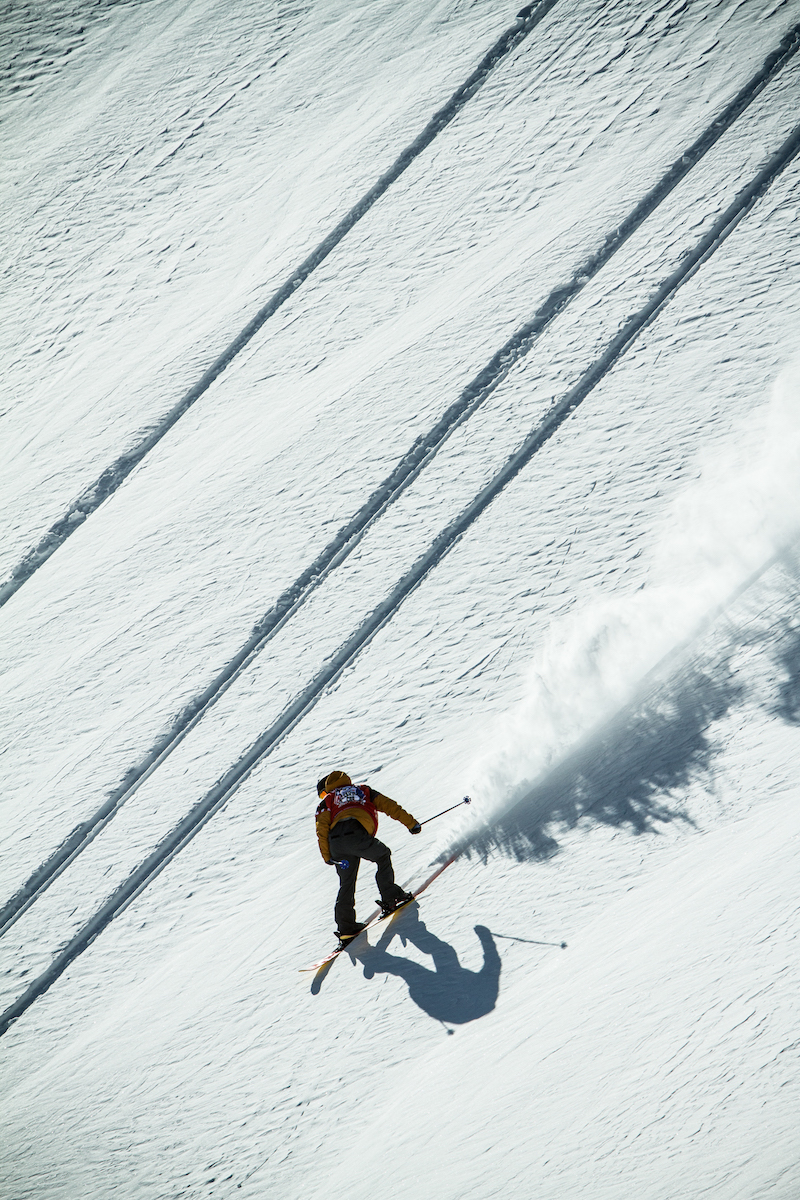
column 392, row 809
column 323, row 831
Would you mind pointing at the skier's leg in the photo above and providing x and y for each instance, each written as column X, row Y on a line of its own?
column 345, row 907
column 344, row 854
column 350, row 838
column 381, row 855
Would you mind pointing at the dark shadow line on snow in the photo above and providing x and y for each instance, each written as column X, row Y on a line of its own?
column 407, row 470
column 217, row 796
column 510, row 937
column 118, row 472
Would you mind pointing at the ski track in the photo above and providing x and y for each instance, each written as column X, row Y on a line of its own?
column 211, row 803
column 185, row 1055
column 166, row 218
column 425, row 448
column 118, row 472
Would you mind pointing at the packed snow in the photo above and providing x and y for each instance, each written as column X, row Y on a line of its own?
column 597, row 998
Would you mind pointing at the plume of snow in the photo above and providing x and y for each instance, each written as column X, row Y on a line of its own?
column 722, row 531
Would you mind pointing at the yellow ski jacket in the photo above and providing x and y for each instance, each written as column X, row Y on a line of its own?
column 366, row 815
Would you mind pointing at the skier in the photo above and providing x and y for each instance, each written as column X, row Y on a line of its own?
column 347, row 819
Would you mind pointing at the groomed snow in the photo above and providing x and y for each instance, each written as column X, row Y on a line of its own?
column 607, row 659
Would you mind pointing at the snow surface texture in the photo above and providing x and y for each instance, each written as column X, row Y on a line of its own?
column 604, row 651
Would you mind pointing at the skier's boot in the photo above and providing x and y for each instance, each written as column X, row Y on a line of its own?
column 390, row 906
column 347, row 935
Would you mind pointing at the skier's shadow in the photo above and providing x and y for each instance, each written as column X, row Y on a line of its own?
column 448, row 992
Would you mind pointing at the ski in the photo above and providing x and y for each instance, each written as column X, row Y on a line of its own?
column 323, row 962
column 377, row 918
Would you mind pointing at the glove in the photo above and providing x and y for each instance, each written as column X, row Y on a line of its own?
column 342, row 862
column 416, row 827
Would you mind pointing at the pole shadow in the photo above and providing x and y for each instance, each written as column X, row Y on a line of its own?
column 447, row 992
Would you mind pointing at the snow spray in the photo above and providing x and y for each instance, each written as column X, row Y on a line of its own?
column 721, row 533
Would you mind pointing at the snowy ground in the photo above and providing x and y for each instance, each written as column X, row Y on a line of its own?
column 607, row 656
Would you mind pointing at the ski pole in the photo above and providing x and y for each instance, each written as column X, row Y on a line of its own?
column 466, row 800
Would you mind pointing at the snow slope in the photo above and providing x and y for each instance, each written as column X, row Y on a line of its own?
column 606, row 655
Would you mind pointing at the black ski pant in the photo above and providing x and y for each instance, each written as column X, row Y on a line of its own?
column 350, row 842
